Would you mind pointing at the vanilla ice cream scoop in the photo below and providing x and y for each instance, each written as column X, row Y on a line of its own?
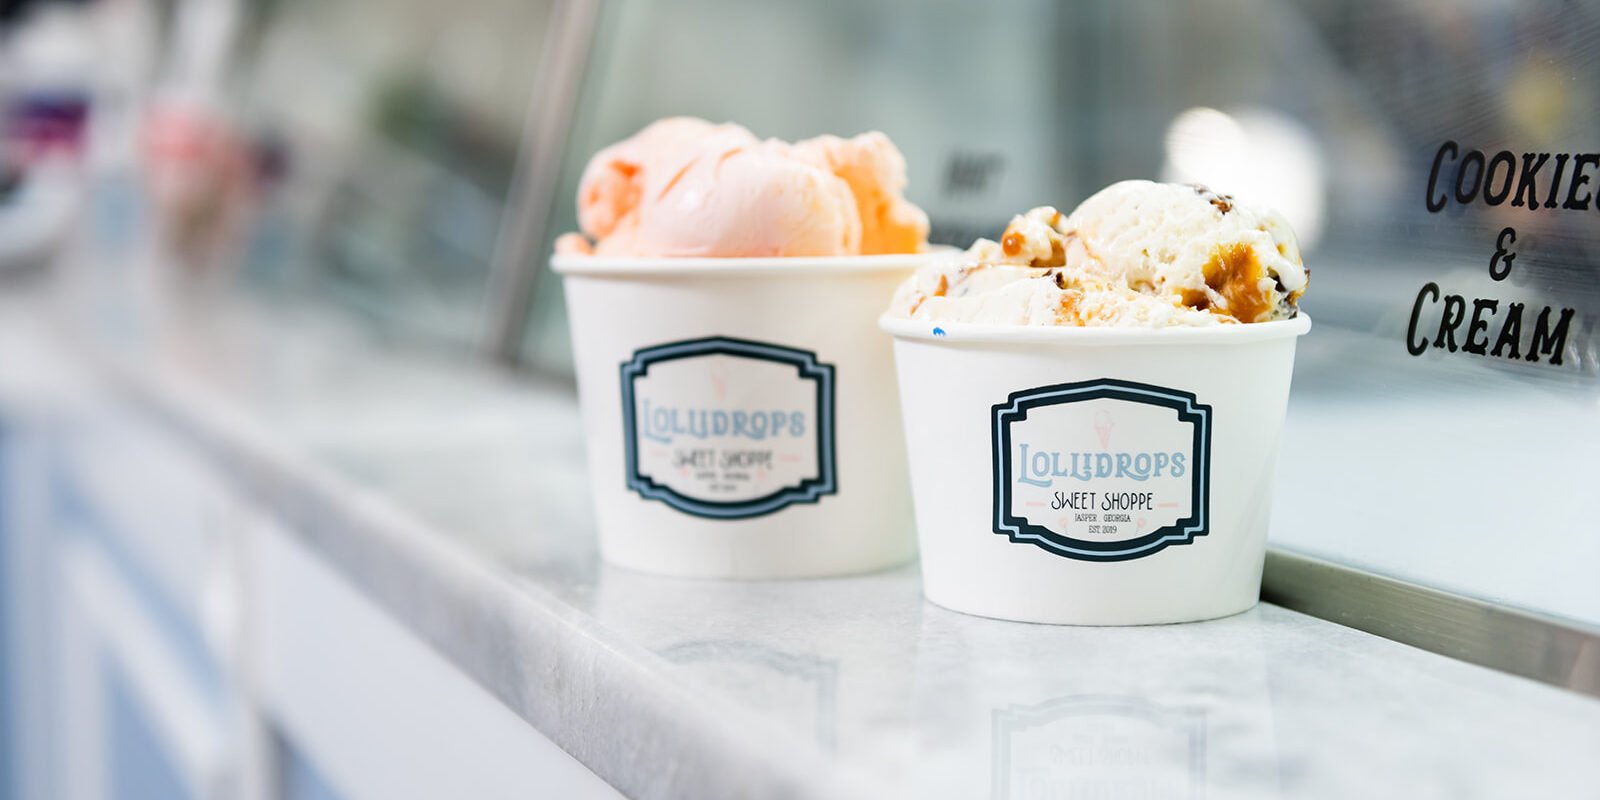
column 1135, row 254
column 685, row 187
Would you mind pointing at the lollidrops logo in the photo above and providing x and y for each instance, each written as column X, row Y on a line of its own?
column 1103, row 470
column 728, row 428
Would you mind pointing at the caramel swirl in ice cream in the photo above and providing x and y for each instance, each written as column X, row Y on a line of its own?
column 1234, row 273
column 1135, row 254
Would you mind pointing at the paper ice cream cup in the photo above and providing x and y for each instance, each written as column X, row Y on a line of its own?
column 742, row 416
column 1093, row 476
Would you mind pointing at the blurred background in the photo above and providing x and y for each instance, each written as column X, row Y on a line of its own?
column 410, row 165
column 400, row 168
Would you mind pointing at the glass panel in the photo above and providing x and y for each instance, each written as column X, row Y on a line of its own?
column 385, row 135
column 1445, row 411
column 1442, row 418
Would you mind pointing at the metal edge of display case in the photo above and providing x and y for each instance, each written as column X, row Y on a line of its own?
column 546, row 124
column 1560, row 652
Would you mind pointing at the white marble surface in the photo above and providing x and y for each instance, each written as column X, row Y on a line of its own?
column 455, row 497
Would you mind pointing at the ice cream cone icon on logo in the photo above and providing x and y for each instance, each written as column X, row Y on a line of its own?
column 719, row 379
column 1102, row 428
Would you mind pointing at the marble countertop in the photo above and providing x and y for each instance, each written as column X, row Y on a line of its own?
column 455, row 497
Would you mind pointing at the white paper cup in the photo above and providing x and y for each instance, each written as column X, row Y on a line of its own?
column 741, row 414
column 1093, row 476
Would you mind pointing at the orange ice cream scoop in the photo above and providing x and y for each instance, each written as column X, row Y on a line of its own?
column 876, row 172
column 614, row 182
column 684, row 187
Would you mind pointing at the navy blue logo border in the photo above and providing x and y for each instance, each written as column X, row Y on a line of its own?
column 806, row 364
column 1020, row 530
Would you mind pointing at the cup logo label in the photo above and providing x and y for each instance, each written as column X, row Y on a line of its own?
column 1103, row 470
column 728, row 428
